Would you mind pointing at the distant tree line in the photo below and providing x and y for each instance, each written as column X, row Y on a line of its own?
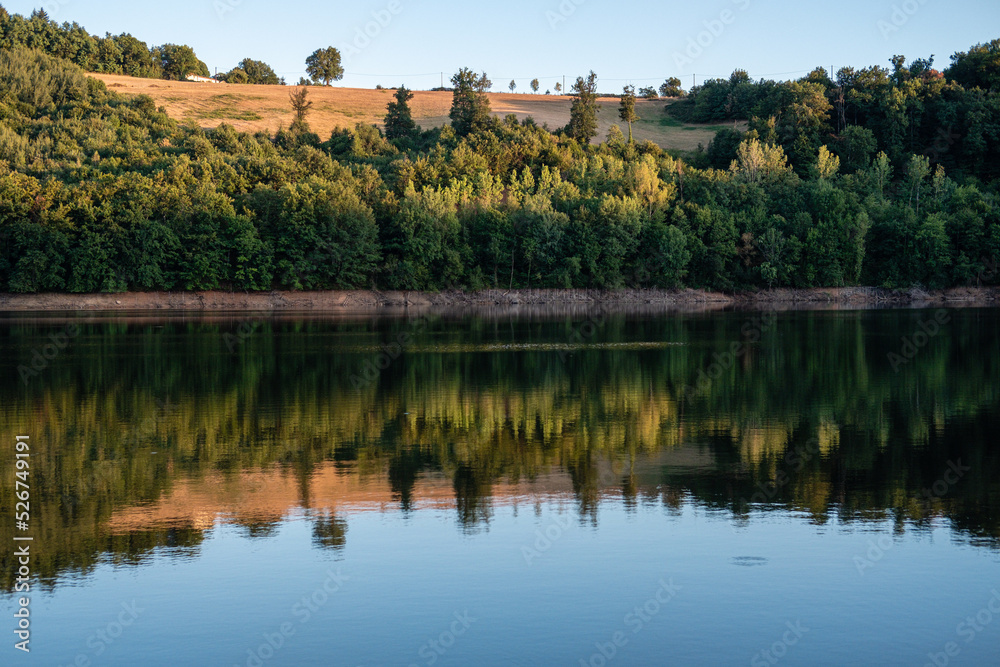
column 950, row 117
column 119, row 54
column 111, row 54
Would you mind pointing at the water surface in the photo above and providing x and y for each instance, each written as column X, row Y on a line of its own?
column 598, row 488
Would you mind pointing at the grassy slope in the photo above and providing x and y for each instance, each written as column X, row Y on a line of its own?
column 252, row 108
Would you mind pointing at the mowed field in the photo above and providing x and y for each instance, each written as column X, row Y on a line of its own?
column 254, row 108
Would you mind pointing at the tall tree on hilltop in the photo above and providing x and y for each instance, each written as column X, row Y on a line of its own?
column 583, row 112
column 534, row 85
column 470, row 107
column 324, row 65
column 627, row 109
column 398, row 119
column 671, row 88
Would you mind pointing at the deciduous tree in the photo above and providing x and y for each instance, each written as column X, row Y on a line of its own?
column 179, row 60
column 324, row 65
column 671, row 88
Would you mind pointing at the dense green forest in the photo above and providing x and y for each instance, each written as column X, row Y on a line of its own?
column 882, row 177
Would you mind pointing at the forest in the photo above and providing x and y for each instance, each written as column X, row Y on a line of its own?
column 883, row 176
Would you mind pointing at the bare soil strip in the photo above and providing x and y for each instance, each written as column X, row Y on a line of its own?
column 371, row 301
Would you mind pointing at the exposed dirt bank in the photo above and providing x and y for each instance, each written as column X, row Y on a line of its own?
column 374, row 301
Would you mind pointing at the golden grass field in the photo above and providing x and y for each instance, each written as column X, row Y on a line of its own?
column 253, row 108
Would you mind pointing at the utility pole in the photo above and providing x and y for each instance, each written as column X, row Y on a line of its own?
column 442, row 79
column 693, row 84
column 564, row 85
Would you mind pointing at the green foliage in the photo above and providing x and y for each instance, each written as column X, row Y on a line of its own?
column 583, row 112
column 671, row 88
column 177, row 61
column 979, row 67
column 251, row 71
column 300, row 107
column 626, row 110
column 827, row 164
column 722, row 150
column 398, row 119
column 830, row 185
column 855, row 148
column 324, row 65
column 470, row 107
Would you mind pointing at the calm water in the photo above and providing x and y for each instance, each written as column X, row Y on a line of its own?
column 805, row 488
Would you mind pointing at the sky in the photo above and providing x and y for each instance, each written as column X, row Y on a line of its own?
column 412, row 42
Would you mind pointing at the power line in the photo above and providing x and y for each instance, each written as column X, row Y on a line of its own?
column 557, row 77
column 387, row 76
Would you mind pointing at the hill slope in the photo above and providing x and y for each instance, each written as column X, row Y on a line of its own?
column 252, row 108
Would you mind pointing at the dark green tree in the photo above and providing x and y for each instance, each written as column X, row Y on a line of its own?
column 324, row 65
column 134, row 56
column 398, row 118
column 671, row 88
column 979, row 67
column 300, row 107
column 583, row 112
column 179, row 60
column 626, row 111
column 235, row 76
column 856, row 147
column 470, row 106
column 257, row 72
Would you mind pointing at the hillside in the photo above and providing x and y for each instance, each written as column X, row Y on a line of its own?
column 251, row 108
column 100, row 191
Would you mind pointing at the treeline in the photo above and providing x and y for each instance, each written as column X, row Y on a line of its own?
column 112, row 54
column 119, row 54
column 951, row 117
column 104, row 193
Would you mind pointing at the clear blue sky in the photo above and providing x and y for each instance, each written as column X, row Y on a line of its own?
column 624, row 41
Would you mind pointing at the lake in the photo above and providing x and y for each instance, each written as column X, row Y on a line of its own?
column 585, row 487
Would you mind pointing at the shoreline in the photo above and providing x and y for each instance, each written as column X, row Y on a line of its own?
column 372, row 301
